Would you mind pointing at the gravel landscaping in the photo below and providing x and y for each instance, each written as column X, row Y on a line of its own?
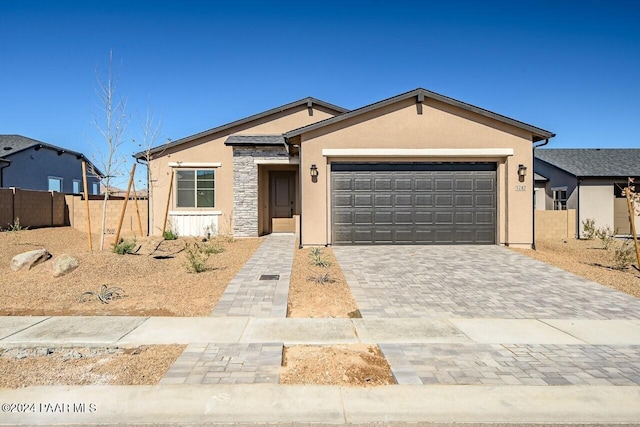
column 144, row 365
column 588, row 259
column 155, row 281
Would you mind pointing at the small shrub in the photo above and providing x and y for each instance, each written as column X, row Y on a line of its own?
column 321, row 279
column 15, row 227
column 606, row 236
column 124, row 247
column 213, row 248
column 624, row 256
column 170, row 235
column 590, row 230
column 318, row 259
column 105, row 295
column 196, row 258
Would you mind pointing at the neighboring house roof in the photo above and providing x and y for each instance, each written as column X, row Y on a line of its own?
column 538, row 177
column 309, row 102
column 252, row 140
column 12, row 144
column 420, row 94
column 593, row 162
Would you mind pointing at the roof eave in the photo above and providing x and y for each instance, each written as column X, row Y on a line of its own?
column 538, row 133
column 305, row 101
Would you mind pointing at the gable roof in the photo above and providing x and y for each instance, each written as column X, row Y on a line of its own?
column 12, row 144
column 593, row 162
column 420, row 94
column 309, row 102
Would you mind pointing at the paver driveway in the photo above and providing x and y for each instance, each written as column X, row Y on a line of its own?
column 472, row 282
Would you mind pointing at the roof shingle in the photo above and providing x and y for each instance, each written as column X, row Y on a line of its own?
column 593, row 162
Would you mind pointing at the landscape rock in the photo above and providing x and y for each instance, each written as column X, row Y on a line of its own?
column 64, row 264
column 27, row 260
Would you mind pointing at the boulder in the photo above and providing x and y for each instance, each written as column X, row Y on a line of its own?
column 27, row 260
column 64, row 264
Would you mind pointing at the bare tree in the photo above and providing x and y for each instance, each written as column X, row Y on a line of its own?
column 111, row 121
column 150, row 130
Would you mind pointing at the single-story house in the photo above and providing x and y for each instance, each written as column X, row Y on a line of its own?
column 417, row 168
column 590, row 181
column 35, row 165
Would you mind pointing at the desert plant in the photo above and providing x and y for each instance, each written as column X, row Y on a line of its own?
column 196, row 257
column 213, row 248
column 318, row 259
column 226, row 229
column 124, row 247
column 590, row 230
column 624, row 255
column 606, row 236
column 105, row 295
column 15, row 227
column 169, row 235
column 321, row 279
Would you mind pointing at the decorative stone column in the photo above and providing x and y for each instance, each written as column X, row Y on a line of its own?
column 245, row 186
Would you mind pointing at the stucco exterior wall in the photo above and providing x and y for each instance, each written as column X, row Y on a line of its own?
column 212, row 149
column 557, row 178
column 596, row 202
column 31, row 168
column 439, row 126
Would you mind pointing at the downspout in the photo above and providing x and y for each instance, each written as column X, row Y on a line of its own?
column 577, row 224
column 299, row 190
column 148, row 198
column 533, row 245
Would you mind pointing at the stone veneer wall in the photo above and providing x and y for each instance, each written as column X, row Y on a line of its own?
column 245, row 186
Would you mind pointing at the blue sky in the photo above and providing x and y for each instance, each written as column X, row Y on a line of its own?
column 571, row 67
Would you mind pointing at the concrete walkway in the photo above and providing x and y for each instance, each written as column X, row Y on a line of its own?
column 261, row 288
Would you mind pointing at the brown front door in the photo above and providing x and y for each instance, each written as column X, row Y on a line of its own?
column 281, row 191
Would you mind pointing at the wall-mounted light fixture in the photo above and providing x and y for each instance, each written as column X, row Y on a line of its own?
column 522, row 172
column 314, row 171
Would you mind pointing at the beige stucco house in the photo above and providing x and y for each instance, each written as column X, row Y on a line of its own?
column 417, row 168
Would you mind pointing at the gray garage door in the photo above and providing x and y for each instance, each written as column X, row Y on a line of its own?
column 413, row 203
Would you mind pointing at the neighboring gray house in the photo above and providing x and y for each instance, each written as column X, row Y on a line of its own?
column 34, row 165
column 590, row 181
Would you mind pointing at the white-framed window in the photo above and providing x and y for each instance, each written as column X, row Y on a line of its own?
column 76, row 186
column 195, row 188
column 560, row 199
column 55, row 184
column 95, row 188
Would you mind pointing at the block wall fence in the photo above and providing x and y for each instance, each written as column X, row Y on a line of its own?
column 37, row 209
column 556, row 224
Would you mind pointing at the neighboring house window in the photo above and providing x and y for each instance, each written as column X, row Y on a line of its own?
column 195, row 188
column 76, row 186
column 95, row 189
column 560, row 199
column 55, row 184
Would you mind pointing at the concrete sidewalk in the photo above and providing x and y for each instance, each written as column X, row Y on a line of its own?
column 110, row 330
column 266, row 403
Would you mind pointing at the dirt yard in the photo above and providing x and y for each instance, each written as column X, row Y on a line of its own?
column 144, row 365
column 587, row 258
column 356, row 365
column 154, row 286
column 317, row 291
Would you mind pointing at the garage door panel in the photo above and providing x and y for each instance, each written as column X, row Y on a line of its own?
column 383, row 217
column 443, row 200
column 362, row 184
column 403, row 200
column 403, row 184
column 414, row 204
column 363, row 200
